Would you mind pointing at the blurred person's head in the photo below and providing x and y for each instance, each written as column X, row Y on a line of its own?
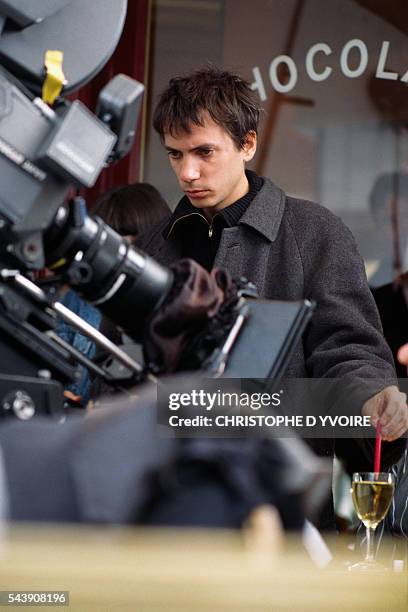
column 389, row 187
column 132, row 209
column 208, row 122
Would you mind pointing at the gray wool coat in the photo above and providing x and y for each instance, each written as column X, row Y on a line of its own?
column 294, row 249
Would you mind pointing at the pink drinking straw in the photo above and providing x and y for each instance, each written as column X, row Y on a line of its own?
column 377, row 454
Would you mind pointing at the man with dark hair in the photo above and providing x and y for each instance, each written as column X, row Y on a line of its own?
column 289, row 248
column 217, row 112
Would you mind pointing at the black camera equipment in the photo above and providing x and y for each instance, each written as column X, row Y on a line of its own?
column 45, row 151
column 47, row 49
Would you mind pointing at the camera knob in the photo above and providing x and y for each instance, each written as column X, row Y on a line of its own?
column 19, row 403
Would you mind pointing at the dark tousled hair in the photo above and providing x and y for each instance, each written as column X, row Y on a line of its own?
column 132, row 209
column 225, row 96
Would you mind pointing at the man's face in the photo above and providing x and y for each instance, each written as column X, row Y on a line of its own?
column 209, row 167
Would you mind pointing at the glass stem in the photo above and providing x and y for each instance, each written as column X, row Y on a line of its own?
column 370, row 536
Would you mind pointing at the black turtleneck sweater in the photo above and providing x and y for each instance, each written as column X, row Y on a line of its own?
column 199, row 237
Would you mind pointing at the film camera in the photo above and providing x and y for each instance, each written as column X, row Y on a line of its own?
column 45, row 150
column 49, row 145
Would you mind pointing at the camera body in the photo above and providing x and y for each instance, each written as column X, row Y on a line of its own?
column 45, row 152
column 42, row 153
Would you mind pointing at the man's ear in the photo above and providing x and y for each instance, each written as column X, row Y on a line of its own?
column 249, row 146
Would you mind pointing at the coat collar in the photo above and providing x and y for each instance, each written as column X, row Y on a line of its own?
column 265, row 212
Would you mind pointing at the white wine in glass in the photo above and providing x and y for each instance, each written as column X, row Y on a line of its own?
column 372, row 494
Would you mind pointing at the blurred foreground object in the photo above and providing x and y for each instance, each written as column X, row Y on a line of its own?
column 129, row 569
column 118, row 466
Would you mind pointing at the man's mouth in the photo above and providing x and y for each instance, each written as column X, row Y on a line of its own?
column 196, row 193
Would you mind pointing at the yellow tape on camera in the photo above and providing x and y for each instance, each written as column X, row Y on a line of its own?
column 54, row 77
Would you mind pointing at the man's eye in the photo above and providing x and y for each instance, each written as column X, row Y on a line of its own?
column 205, row 152
column 173, row 154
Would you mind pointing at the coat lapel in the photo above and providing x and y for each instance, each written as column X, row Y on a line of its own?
column 244, row 254
column 244, row 250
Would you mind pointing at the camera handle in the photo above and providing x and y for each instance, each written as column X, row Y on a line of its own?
column 70, row 317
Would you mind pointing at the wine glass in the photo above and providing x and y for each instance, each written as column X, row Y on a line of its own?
column 372, row 495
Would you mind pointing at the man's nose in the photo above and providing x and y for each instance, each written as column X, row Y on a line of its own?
column 189, row 170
